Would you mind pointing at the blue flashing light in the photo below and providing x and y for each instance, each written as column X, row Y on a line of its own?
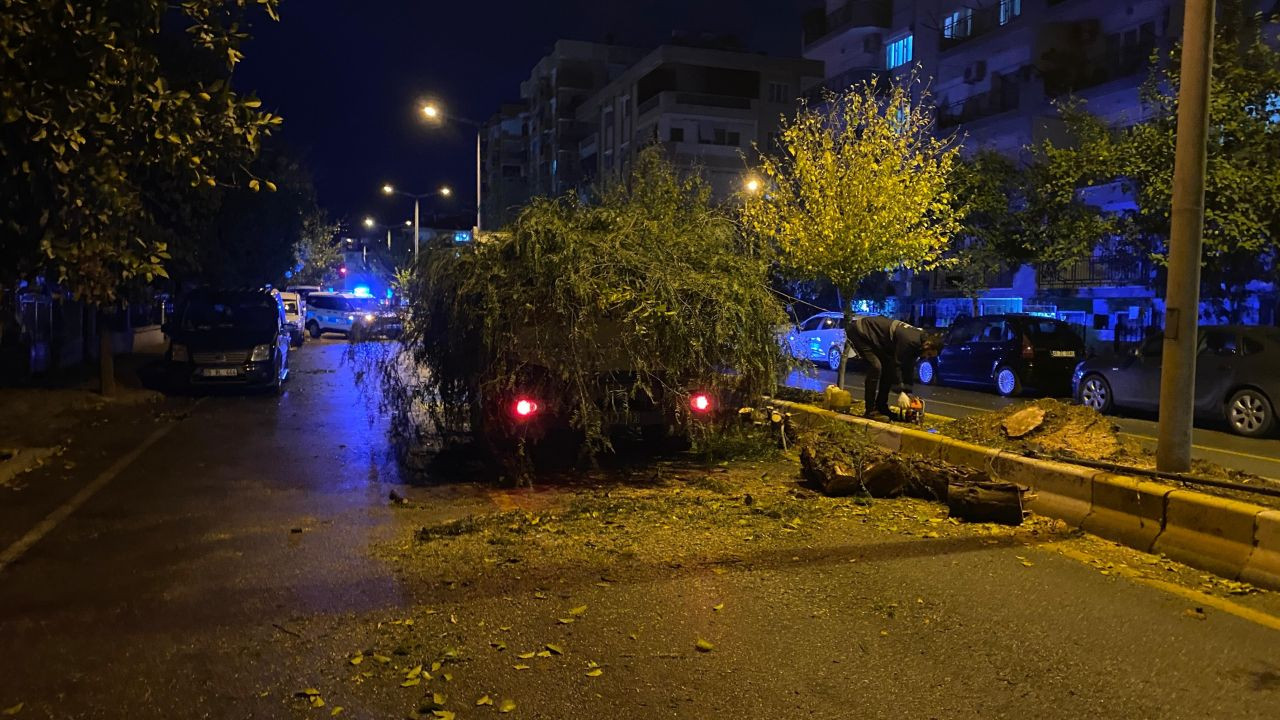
column 390, row 293
column 362, row 291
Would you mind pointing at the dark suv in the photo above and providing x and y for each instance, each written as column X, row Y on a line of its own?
column 1010, row 353
column 229, row 337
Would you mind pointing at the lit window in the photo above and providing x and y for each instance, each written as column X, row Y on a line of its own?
column 959, row 24
column 898, row 52
column 1009, row 9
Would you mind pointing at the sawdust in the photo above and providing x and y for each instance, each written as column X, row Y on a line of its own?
column 1068, row 430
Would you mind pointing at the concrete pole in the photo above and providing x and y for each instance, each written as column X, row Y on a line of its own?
column 1182, row 296
column 478, row 202
column 415, row 228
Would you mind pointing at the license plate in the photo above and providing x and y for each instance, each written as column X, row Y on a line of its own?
column 1063, row 353
column 219, row 372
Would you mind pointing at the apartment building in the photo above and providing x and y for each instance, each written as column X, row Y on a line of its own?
column 709, row 109
column 504, row 180
column 560, row 82
column 995, row 69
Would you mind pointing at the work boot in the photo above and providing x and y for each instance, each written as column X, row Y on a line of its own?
column 878, row 416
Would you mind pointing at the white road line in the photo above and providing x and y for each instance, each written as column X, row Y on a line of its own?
column 44, row 527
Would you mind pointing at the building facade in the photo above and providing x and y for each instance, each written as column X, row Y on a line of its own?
column 504, row 180
column 708, row 108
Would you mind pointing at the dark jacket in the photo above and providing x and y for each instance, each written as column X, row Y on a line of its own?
column 897, row 344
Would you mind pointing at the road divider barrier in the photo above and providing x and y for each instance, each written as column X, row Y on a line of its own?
column 1236, row 540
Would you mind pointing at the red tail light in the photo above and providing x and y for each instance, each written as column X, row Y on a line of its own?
column 1028, row 352
column 700, row 402
column 524, row 408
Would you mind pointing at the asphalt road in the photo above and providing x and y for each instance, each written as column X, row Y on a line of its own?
column 212, row 558
column 1256, row 456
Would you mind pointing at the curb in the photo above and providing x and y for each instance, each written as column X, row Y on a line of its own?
column 1230, row 538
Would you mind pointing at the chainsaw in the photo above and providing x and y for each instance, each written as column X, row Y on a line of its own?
column 910, row 409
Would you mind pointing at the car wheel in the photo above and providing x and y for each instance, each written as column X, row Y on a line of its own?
column 1008, row 383
column 313, row 328
column 1095, row 392
column 1250, row 413
column 925, row 372
column 833, row 358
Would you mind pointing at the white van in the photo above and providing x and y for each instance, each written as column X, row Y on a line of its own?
column 295, row 312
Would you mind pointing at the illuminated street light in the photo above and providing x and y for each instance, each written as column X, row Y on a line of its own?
column 434, row 113
column 388, row 189
column 368, row 222
column 752, row 185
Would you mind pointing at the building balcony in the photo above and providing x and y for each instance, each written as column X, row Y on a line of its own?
column 982, row 22
column 819, row 24
column 670, row 99
column 1109, row 270
column 1003, row 97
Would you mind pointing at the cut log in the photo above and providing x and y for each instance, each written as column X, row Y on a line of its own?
column 1023, row 421
column 986, row 501
column 829, row 472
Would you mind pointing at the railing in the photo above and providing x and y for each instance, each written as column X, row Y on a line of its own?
column 983, row 21
column 697, row 99
column 999, row 99
column 1103, row 270
column 1116, row 63
column 819, row 24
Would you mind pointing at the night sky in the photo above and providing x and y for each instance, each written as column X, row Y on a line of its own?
column 346, row 76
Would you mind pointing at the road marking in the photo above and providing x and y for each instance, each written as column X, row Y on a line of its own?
column 960, row 405
column 1207, row 448
column 1244, row 613
column 45, row 526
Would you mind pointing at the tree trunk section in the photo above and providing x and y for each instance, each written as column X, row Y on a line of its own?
column 986, row 501
column 106, row 357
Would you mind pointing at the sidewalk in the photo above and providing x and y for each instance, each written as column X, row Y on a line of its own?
column 37, row 422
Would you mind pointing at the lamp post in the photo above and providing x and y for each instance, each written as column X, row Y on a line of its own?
column 433, row 113
column 389, row 189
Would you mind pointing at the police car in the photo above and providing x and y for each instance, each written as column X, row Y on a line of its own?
column 351, row 315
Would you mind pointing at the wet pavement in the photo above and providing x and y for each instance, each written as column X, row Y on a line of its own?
column 240, row 558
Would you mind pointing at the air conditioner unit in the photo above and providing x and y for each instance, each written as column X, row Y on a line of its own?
column 872, row 43
column 975, row 71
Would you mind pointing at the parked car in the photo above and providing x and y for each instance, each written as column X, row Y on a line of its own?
column 229, row 337
column 1010, row 353
column 351, row 315
column 1237, row 378
column 295, row 313
column 818, row 339
column 303, row 290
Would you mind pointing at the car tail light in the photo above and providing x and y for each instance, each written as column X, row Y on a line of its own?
column 1028, row 352
column 524, row 408
column 700, row 402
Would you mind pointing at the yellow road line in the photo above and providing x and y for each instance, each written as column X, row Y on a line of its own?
column 1224, row 451
column 1200, row 598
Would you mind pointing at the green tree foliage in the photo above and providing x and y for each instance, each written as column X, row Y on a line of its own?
column 1242, row 193
column 317, row 251
column 93, row 115
column 860, row 186
column 651, row 280
column 988, row 195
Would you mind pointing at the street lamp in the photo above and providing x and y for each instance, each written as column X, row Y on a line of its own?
column 434, row 113
column 752, row 185
column 389, row 189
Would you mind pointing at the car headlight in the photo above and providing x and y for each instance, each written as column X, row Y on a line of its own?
column 178, row 352
column 368, row 317
column 260, row 353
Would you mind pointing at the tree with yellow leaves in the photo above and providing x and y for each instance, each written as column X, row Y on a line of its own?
column 859, row 186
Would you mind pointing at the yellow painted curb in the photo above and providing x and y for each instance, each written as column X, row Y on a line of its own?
column 1127, row 510
column 1208, row 532
column 1263, row 566
column 1061, row 491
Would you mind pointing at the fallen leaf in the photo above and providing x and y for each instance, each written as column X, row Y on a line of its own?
column 309, row 692
column 317, row 701
column 544, row 653
column 505, row 628
column 415, row 672
column 595, row 672
column 448, row 677
column 13, row 710
column 718, row 608
column 520, row 667
column 443, row 714
column 555, row 648
column 1196, row 613
column 336, row 711
column 357, row 659
column 526, row 655
column 498, row 646
column 580, row 610
column 411, row 682
column 484, row 700
column 507, row 705
column 382, row 659
column 435, row 666
column 1027, row 563
column 438, row 698
column 564, row 621
column 704, row 646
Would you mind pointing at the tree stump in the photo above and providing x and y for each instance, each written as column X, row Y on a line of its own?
column 986, row 500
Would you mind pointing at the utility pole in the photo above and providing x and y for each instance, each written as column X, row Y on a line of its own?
column 1182, row 295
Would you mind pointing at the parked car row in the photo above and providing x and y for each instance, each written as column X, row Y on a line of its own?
column 1237, row 370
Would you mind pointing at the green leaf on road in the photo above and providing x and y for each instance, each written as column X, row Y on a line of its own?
column 484, row 700
column 704, row 646
column 415, row 672
column 411, row 682
column 317, row 701
column 357, row 659
column 718, row 608
column 506, row 706
column 580, row 610
column 382, row 658
column 595, row 672
column 526, row 655
column 336, row 711
column 443, row 714
column 555, row 648
column 520, row 667
column 309, row 692
column 564, row 621
column 438, row 698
